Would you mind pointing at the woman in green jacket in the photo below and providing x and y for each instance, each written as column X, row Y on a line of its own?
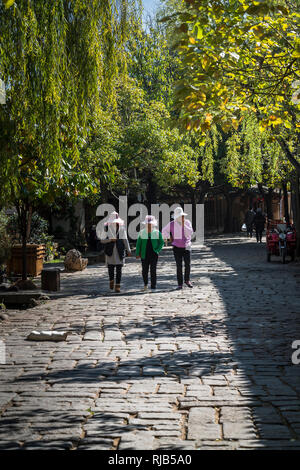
column 148, row 246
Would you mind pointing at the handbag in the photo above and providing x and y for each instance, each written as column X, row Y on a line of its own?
column 108, row 248
column 121, row 249
column 244, row 228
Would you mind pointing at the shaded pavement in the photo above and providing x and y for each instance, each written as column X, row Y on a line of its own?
column 208, row 368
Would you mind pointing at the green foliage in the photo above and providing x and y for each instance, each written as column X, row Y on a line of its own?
column 99, row 156
column 76, row 119
column 131, row 102
column 237, row 56
column 153, row 64
column 149, row 149
column 59, row 61
column 239, row 74
column 5, row 239
column 209, row 151
column 38, row 233
column 8, row 3
column 253, row 157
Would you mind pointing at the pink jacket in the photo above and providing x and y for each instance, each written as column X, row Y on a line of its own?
column 181, row 235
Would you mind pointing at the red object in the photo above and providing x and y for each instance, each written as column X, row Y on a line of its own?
column 272, row 238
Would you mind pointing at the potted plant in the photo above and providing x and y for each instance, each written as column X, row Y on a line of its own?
column 36, row 250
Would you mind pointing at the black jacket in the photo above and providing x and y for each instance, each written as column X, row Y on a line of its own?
column 259, row 221
column 249, row 217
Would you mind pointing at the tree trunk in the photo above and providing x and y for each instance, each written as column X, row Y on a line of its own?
column 24, row 257
column 228, row 222
column 151, row 193
column 24, row 219
column 286, row 203
column 194, row 203
column 293, row 159
column 29, row 223
column 201, row 197
column 262, row 192
column 269, row 197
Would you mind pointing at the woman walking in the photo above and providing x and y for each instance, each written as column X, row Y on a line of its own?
column 180, row 232
column 148, row 246
column 116, row 242
column 249, row 217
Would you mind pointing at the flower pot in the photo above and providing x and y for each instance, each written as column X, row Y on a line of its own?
column 34, row 256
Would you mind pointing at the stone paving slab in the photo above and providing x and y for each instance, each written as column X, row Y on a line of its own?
column 208, row 368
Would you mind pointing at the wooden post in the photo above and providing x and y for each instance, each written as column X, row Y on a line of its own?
column 51, row 279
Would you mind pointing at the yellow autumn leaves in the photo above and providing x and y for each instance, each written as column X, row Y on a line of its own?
column 8, row 3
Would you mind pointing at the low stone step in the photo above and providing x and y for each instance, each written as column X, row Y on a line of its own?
column 20, row 298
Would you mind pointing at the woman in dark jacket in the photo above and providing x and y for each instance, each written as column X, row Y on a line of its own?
column 115, row 243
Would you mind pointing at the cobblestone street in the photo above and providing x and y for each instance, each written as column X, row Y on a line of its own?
column 202, row 368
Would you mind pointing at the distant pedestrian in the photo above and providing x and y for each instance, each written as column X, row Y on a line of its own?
column 148, row 246
column 115, row 243
column 259, row 224
column 93, row 239
column 180, row 232
column 249, row 217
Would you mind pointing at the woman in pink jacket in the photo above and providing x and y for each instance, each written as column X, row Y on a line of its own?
column 180, row 232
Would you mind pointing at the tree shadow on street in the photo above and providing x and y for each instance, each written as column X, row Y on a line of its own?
column 249, row 346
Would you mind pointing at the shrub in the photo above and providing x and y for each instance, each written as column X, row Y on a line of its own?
column 38, row 234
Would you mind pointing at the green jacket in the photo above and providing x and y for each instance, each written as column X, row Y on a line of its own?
column 141, row 244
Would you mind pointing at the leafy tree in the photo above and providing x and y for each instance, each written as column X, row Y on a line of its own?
column 152, row 63
column 8, row 3
column 153, row 155
column 131, row 102
column 239, row 55
column 255, row 159
column 5, row 239
column 59, row 61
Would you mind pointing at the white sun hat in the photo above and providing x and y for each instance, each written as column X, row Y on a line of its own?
column 178, row 212
column 150, row 219
column 114, row 219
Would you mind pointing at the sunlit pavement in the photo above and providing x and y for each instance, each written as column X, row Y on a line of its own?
column 203, row 368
